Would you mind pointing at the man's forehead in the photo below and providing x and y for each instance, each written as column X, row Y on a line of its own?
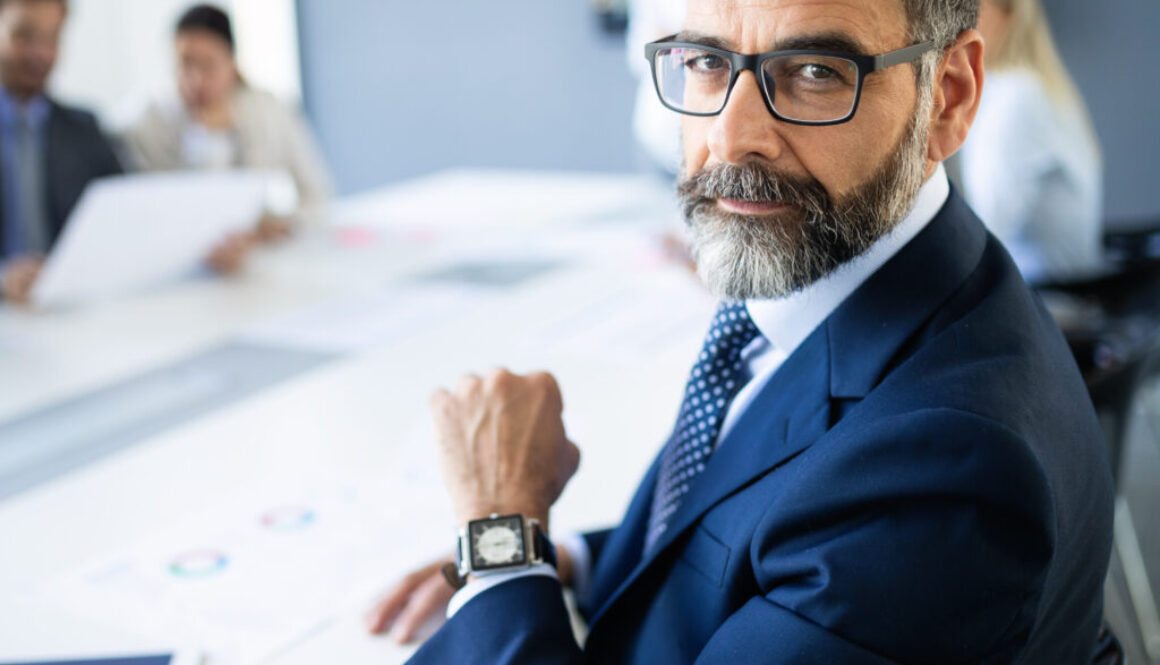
column 33, row 11
column 759, row 25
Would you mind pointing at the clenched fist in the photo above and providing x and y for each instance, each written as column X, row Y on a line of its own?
column 502, row 445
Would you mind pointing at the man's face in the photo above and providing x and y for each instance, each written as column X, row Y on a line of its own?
column 775, row 206
column 29, row 44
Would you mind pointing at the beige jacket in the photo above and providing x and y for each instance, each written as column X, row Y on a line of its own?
column 270, row 136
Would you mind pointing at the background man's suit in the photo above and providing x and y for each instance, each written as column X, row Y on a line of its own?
column 922, row 481
column 76, row 153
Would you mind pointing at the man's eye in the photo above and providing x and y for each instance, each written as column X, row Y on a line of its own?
column 817, row 72
column 705, row 62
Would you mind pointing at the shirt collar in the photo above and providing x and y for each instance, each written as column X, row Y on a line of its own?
column 11, row 109
column 786, row 322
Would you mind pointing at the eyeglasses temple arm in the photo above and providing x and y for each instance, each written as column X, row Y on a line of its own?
column 908, row 54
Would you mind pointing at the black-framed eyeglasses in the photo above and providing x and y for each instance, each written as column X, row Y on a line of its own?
column 803, row 87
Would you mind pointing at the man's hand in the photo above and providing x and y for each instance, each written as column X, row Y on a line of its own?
column 272, row 229
column 229, row 256
column 414, row 601
column 503, row 450
column 502, row 445
column 18, row 277
column 423, row 595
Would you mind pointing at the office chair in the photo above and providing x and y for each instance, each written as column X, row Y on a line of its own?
column 1112, row 325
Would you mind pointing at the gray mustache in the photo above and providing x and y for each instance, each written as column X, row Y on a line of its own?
column 753, row 182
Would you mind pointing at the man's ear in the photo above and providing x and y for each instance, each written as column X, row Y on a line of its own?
column 958, row 86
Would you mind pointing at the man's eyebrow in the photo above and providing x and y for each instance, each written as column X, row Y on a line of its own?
column 829, row 41
column 694, row 37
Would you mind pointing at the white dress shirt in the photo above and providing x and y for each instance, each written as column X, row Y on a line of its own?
column 784, row 324
column 1031, row 171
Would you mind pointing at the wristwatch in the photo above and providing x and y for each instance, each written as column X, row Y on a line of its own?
column 498, row 543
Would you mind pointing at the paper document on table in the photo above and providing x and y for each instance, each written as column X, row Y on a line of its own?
column 656, row 313
column 365, row 320
column 457, row 200
column 133, row 232
column 252, row 576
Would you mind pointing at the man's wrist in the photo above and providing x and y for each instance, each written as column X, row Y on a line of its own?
column 499, row 543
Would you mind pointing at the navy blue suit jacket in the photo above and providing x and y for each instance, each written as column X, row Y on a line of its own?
column 922, row 481
column 76, row 152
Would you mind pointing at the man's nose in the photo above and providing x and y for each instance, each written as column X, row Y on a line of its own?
column 745, row 130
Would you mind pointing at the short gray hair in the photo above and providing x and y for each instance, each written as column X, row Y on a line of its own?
column 941, row 22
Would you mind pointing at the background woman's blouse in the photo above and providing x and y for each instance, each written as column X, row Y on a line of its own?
column 1030, row 171
column 267, row 135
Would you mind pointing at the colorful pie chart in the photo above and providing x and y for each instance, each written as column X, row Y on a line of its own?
column 288, row 518
column 198, row 564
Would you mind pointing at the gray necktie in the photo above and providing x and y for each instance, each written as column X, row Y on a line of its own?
column 32, row 193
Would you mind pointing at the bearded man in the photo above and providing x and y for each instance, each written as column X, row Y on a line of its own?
column 885, row 453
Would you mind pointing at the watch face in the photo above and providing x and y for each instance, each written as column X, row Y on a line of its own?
column 497, row 543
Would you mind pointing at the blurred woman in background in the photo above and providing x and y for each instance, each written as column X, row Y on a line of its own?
column 1031, row 167
column 220, row 122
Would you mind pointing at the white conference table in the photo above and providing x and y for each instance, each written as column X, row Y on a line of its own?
column 561, row 272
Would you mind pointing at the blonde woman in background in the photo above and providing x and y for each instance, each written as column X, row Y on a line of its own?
column 220, row 122
column 1031, row 167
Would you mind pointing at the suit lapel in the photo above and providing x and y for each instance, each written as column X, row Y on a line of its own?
column 844, row 358
column 787, row 414
column 869, row 328
column 625, row 545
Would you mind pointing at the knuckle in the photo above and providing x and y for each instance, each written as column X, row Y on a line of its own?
column 440, row 400
column 468, row 384
column 547, row 383
column 498, row 379
column 573, row 457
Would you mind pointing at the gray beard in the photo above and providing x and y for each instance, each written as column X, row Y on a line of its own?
column 742, row 257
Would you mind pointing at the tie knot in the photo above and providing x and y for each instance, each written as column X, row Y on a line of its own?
column 732, row 328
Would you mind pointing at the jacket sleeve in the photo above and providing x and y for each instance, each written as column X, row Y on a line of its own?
column 521, row 621
column 151, row 143
column 307, row 167
column 881, row 548
column 102, row 159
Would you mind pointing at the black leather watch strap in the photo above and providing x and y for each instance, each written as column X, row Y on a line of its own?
column 544, row 549
column 451, row 574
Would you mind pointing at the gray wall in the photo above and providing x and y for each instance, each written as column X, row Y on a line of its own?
column 398, row 88
column 1112, row 47
column 403, row 87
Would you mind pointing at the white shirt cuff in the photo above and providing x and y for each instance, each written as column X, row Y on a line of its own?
column 481, row 583
column 577, row 547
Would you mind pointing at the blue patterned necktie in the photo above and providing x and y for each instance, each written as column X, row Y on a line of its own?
column 716, row 377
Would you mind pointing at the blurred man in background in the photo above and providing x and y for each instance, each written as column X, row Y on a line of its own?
column 49, row 152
